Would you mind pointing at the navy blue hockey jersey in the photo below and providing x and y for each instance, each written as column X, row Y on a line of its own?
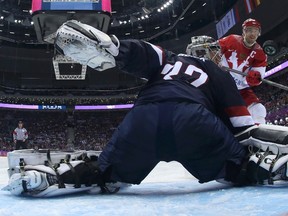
column 183, row 78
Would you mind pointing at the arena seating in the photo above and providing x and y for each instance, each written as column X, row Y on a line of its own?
column 48, row 130
column 275, row 100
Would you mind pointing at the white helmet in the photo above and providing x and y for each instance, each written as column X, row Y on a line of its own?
column 204, row 47
column 30, row 181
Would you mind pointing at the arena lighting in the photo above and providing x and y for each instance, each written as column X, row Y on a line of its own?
column 276, row 69
column 33, row 107
column 165, row 5
column 18, row 106
column 103, row 107
column 63, row 107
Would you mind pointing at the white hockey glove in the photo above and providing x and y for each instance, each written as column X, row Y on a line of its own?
column 87, row 45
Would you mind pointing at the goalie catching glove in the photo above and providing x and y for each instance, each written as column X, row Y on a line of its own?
column 87, row 45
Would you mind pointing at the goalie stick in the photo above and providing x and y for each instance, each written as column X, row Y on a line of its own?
column 269, row 82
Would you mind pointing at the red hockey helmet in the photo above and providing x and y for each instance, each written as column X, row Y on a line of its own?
column 251, row 22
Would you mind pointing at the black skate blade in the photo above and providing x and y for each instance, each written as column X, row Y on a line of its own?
column 77, row 27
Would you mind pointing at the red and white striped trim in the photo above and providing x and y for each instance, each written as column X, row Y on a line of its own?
column 241, row 121
column 239, row 116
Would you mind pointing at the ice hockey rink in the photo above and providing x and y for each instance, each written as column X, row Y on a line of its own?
column 168, row 190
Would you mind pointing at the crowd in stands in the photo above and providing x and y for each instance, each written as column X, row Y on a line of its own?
column 67, row 100
column 275, row 100
column 68, row 97
column 93, row 130
column 44, row 130
column 49, row 130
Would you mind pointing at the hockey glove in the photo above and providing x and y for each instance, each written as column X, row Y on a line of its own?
column 87, row 45
column 253, row 78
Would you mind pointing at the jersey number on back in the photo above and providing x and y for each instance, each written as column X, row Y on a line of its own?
column 170, row 71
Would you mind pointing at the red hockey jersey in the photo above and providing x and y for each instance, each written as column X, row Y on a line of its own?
column 239, row 57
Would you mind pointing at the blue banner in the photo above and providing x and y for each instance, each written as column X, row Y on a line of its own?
column 52, row 107
column 71, row 6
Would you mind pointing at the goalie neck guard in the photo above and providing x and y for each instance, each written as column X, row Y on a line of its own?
column 204, row 47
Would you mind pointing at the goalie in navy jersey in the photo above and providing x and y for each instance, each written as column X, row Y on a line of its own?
column 184, row 113
column 188, row 111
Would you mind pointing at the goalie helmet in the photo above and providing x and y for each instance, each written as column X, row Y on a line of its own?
column 204, row 47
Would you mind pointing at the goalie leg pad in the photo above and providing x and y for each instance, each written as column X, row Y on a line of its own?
column 268, row 133
column 266, row 136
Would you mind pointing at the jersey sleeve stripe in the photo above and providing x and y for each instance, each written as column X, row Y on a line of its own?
column 159, row 52
column 237, row 111
column 241, row 121
column 239, row 116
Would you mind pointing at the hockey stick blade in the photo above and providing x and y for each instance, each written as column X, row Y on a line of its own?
column 269, row 82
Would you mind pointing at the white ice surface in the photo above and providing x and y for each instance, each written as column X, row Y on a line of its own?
column 168, row 190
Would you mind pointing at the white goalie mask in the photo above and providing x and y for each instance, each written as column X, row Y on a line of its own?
column 204, row 47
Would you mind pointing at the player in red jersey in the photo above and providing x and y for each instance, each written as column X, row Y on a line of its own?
column 243, row 53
